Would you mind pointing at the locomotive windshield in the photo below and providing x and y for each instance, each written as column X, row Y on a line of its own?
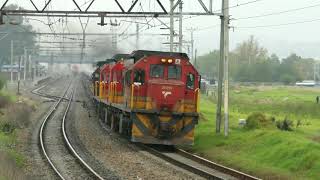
column 156, row 70
column 174, row 72
column 190, row 81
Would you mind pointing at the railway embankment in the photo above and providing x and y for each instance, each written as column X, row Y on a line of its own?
column 281, row 141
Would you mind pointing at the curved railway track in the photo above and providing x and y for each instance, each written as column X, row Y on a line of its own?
column 41, row 94
column 64, row 153
column 197, row 164
column 190, row 162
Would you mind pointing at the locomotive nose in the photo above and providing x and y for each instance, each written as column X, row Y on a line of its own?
column 165, row 95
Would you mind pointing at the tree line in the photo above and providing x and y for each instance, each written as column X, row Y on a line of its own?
column 249, row 62
column 13, row 30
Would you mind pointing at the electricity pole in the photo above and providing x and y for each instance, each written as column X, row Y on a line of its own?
column 226, row 67
column 137, row 36
column 25, row 64
column 19, row 75
column 195, row 59
column 192, row 42
column 171, row 25
column 223, row 69
column 114, row 36
column 180, row 27
column 11, row 74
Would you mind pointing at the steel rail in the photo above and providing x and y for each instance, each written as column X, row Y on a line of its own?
column 182, row 165
column 41, row 133
column 69, row 145
column 65, row 137
column 197, row 170
column 219, row 167
column 51, row 97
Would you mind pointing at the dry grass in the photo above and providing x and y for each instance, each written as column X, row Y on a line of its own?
column 9, row 169
column 19, row 115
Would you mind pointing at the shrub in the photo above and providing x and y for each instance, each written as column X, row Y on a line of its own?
column 257, row 120
column 17, row 116
column 6, row 127
column 2, row 82
column 4, row 101
column 287, row 79
column 285, row 125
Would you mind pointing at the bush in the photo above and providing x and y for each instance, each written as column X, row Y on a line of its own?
column 2, row 82
column 257, row 120
column 4, row 101
column 285, row 125
column 17, row 116
column 287, row 79
column 6, row 127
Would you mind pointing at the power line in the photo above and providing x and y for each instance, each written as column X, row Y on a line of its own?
column 277, row 25
column 277, row 13
column 238, row 5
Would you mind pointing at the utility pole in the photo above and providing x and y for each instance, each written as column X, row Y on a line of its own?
column 137, row 36
column 180, row 26
column 114, row 37
column 195, row 59
column 19, row 76
column 25, row 63
column 171, row 25
column 192, row 42
column 226, row 67
column 83, row 44
column 11, row 74
column 29, row 67
column 223, row 68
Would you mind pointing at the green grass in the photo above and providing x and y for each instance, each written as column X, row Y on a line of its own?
column 12, row 97
column 268, row 152
column 13, row 160
column 7, row 144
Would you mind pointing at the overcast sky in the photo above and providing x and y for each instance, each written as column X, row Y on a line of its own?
column 300, row 38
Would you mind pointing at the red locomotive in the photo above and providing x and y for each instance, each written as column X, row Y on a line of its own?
column 150, row 96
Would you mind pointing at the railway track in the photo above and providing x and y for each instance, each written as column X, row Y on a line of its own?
column 38, row 92
column 190, row 162
column 55, row 144
column 196, row 164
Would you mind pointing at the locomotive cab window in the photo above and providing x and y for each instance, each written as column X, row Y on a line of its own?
column 139, row 76
column 190, row 81
column 156, row 70
column 128, row 78
column 174, row 72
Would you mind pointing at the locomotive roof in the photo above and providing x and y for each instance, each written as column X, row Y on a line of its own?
column 136, row 55
column 107, row 61
column 120, row 56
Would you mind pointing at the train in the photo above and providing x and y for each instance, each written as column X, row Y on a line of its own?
column 151, row 97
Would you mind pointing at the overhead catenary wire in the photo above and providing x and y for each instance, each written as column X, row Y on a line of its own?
column 279, row 12
column 238, row 5
column 276, row 25
column 190, row 17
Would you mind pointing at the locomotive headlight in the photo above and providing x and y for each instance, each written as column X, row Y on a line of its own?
column 170, row 60
column 163, row 60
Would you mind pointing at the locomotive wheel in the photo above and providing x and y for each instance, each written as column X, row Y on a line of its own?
column 106, row 118
column 112, row 119
column 121, row 123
